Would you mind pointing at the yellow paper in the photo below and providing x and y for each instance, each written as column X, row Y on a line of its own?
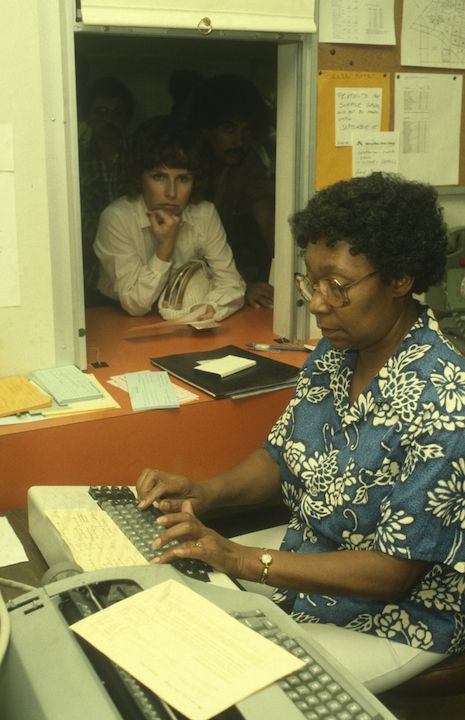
column 335, row 163
column 94, row 539
column 185, row 649
column 18, row 394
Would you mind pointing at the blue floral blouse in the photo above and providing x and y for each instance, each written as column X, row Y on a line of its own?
column 385, row 474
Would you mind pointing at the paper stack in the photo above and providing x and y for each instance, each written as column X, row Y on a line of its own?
column 224, row 366
column 18, row 395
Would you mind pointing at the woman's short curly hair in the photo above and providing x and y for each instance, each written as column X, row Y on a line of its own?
column 398, row 224
column 159, row 143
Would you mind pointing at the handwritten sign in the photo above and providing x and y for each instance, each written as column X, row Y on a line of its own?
column 357, row 109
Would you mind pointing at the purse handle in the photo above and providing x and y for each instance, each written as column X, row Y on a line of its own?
column 173, row 294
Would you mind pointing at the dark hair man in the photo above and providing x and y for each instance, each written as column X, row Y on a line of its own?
column 108, row 106
column 231, row 112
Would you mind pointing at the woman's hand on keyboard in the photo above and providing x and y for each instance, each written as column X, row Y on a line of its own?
column 197, row 542
column 169, row 491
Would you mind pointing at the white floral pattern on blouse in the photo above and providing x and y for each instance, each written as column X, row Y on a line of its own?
column 385, row 474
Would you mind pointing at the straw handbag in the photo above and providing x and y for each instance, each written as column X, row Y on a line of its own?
column 189, row 285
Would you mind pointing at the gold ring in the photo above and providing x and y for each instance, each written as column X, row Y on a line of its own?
column 198, row 544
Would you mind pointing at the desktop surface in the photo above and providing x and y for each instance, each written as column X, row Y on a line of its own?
column 87, row 448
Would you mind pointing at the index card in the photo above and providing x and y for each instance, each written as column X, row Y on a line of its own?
column 104, row 402
column 66, row 384
column 186, row 649
column 151, row 390
column 183, row 395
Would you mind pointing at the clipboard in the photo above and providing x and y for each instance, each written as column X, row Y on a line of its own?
column 266, row 375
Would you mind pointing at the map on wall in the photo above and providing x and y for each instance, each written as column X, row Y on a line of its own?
column 433, row 33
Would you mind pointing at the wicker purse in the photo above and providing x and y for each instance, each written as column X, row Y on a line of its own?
column 188, row 286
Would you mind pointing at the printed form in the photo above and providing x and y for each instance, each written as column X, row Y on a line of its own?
column 185, row 649
column 357, row 22
column 427, row 117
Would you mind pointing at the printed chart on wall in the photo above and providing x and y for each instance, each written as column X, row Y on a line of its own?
column 428, row 116
column 353, row 107
column 433, row 34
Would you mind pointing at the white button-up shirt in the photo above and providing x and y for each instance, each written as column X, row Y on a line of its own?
column 131, row 271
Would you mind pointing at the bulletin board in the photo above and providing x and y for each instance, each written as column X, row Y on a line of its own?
column 335, row 162
column 383, row 59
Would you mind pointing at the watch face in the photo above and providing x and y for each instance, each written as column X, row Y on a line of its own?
column 266, row 558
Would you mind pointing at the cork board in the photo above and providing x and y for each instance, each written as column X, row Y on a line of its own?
column 380, row 59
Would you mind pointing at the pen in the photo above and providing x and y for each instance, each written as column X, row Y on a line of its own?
column 261, row 346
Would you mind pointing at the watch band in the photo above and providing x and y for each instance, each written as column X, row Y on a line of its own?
column 266, row 559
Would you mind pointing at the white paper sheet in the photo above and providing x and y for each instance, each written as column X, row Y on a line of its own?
column 433, row 34
column 427, row 117
column 378, row 151
column 357, row 110
column 186, row 649
column 357, row 21
column 183, row 395
column 224, row 366
column 11, row 549
column 151, row 390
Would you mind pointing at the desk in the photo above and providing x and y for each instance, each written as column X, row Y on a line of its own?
column 111, row 447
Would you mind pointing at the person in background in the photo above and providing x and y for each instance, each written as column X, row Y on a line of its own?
column 182, row 85
column 161, row 223
column 231, row 112
column 107, row 107
column 369, row 454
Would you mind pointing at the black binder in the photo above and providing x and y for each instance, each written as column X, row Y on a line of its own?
column 267, row 375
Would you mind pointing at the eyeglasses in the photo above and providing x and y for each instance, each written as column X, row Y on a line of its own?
column 330, row 289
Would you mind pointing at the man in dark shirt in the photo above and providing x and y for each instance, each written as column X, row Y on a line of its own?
column 103, row 158
column 232, row 113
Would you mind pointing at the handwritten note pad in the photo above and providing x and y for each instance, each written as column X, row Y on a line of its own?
column 227, row 365
column 151, row 390
column 186, row 649
column 94, row 539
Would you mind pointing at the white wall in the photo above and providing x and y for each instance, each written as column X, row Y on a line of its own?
column 42, row 330
column 27, row 331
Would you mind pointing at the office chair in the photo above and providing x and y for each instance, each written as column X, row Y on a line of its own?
column 445, row 678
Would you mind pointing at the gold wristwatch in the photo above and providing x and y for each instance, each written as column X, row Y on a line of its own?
column 266, row 559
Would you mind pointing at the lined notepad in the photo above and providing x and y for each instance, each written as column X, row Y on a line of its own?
column 18, row 395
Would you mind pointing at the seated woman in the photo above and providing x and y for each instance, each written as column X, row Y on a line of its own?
column 369, row 453
column 161, row 224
